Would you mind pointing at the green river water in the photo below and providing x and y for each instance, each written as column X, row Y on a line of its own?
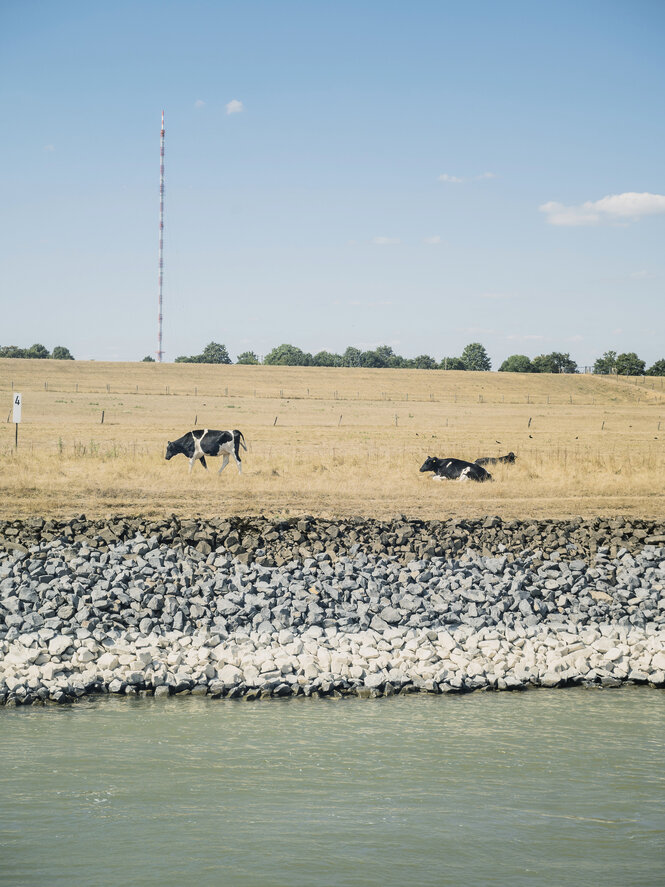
column 560, row 787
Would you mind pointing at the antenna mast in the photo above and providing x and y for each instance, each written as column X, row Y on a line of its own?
column 161, row 240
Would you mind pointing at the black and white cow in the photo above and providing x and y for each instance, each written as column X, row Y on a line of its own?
column 199, row 444
column 493, row 460
column 455, row 469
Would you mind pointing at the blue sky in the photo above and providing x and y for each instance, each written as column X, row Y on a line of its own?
column 423, row 175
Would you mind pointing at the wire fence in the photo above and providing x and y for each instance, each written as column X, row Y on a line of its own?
column 649, row 392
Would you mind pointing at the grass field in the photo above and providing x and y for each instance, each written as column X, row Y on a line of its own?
column 333, row 442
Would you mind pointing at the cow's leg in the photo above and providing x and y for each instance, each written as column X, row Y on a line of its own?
column 193, row 460
column 225, row 462
column 236, row 452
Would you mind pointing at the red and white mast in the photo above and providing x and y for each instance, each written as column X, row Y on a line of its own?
column 161, row 240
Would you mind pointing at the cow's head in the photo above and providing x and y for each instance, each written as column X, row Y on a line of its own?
column 170, row 450
column 430, row 464
column 510, row 457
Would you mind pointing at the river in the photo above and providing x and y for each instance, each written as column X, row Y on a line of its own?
column 543, row 788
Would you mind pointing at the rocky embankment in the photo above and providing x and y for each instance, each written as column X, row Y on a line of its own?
column 254, row 608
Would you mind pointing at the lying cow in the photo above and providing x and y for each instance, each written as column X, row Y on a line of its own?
column 199, row 444
column 493, row 460
column 455, row 469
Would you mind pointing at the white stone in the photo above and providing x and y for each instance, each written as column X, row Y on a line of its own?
column 59, row 644
column 108, row 661
column 85, row 655
column 230, row 675
column 658, row 661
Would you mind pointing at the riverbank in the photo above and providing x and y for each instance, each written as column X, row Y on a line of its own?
column 254, row 608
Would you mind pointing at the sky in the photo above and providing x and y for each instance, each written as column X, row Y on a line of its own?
column 364, row 172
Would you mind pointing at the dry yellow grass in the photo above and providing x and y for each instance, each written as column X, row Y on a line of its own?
column 328, row 441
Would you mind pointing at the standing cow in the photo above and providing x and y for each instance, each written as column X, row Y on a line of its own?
column 199, row 444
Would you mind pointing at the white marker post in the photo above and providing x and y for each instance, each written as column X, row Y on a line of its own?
column 17, row 415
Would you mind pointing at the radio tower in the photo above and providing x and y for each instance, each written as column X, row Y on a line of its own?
column 161, row 240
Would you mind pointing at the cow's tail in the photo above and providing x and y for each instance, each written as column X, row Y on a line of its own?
column 241, row 439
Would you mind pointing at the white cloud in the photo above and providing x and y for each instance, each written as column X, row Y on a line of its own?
column 486, row 175
column 618, row 208
column 385, row 241
column 642, row 275
column 444, row 177
column 495, row 296
column 576, row 338
column 435, row 238
column 199, row 103
column 234, row 107
column 49, row 147
column 571, row 216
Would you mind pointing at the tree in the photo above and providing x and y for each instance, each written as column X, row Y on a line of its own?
column 12, row 351
column 326, row 359
column 452, row 363
column 351, row 357
column 475, row 358
column 148, row 359
column 424, row 362
column 629, row 364
column 288, row 355
column 658, row 369
column 516, row 363
column 214, row 353
column 37, row 352
column 606, row 364
column 247, row 357
column 556, row 362
column 61, row 353
column 387, row 356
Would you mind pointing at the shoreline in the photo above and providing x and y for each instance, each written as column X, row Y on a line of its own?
column 253, row 608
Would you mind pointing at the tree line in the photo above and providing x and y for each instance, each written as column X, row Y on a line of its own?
column 36, row 352
column 474, row 357
column 611, row 363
